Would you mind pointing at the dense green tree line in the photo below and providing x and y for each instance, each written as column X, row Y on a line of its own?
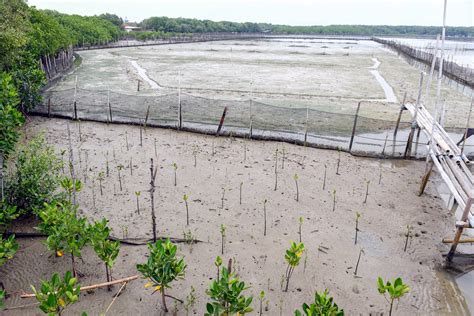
column 182, row 25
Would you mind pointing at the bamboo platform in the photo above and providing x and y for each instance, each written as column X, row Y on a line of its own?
column 452, row 165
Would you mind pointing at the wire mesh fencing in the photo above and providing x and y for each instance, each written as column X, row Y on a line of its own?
column 244, row 118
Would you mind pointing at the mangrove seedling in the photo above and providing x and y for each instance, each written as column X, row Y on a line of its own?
column 185, row 199
column 283, row 158
column 195, row 156
column 395, row 289
column 126, row 140
column 107, row 171
column 338, row 160
column 295, row 177
column 175, row 168
column 380, row 175
column 101, row 178
column 323, row 305
column 356, row 227
column 240, row 193
column 8, row 248
column 69, row 186
column 119, row 168
column 408, row 235
column 324, row 179
column 366, row 190
column 276, row 171
column 292, row 257
column 361, row 251
column 222, row 198
column 162, row 268
column 218, row 263
column 265, row 217
column 56, row 295
column 189, row 239
column 131, row 166
column 226, row 296
column 190, row 300
column 137, row 195
column 261, row 298
column 222, row 231
column 333, row 200
column 106, row 249
column 156, row 152
column 300, row 222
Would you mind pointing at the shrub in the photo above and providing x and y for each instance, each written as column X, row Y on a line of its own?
column 162, row 267
column 56, row 295
column 8, row 248
column 7, row 214
column 36, row 176
column 226, row 296
column 323, row 305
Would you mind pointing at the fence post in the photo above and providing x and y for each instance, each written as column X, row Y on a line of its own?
column 306, row 127
column 355, row 125
column 221, row 121
column 180, row 116
column 402, row 108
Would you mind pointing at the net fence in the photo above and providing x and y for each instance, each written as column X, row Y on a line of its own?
column 244, row 118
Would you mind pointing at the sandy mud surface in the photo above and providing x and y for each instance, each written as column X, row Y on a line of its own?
column 331, row 255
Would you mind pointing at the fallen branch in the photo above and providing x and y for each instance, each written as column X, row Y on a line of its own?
column 115, row 297
column 95, row 286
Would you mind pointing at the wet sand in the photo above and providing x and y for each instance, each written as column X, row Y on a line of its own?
column 259, row 260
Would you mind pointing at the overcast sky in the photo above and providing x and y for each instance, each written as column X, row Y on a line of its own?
column 293, row 12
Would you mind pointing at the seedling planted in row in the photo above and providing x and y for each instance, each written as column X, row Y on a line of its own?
column 292, row 257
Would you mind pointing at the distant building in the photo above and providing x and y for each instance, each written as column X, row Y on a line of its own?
column 131, row 27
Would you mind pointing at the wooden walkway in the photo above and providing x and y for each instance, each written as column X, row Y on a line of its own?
column 452, row 165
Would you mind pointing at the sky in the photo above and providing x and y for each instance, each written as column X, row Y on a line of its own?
column 292, row 12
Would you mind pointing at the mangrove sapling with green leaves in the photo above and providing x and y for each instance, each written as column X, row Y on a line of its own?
column 265, row 217
column 185, row 199
column 36, row 176
column 261, row 298
column 101, row 178
column 190, row 300
column 227, row 297
column 408, row 235
column 69, row 186
column 356, row 227
column 189, row 239
column 218, row 263
column 333, row 200
column 7, row 214
column 120, row 168
column 56, row 295
column 395, row 290
column 162, row 268
column 106, row 250
column 8, row 248
column 323, row 305
column 300, row 225
column 137, row 195
column 175, row 168
column 222, row 231
column 292, row 257
column 295, row 177
column 366, row 190
column 361, row 251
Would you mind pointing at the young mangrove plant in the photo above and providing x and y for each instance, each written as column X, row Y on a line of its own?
column 323, row 305
column 366, row 191
column 356, row 227
column 185, row 199
column 195, row 152
column 190, row 300
column 101, row 178
column 408, row 235
column 175, row 168
column 56, row 295
column 338, row 160
column 120, row 168
column 261, row 298
column 126, row 141
column 240, row 193
column 395, row 289
column 162, row 268
column 8, row 248
column 69, row 186
column 295, row 177
column 324, row 179
column 218, row 263
column 222, row 198
column 300, row 232
column 106, row 250
column 222, row 231
column 265, row 217
column 137, row 195
column 276, row 171
column 226, row 296
column 333, row 200
column 292, row 257
column 361, row 251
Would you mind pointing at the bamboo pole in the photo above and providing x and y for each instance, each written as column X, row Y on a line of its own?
column 354, row 126
column 94, row 286
column 459, row 230
column 402, row 108
column 461, row 241
column 433, row 63
column 467, row 126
